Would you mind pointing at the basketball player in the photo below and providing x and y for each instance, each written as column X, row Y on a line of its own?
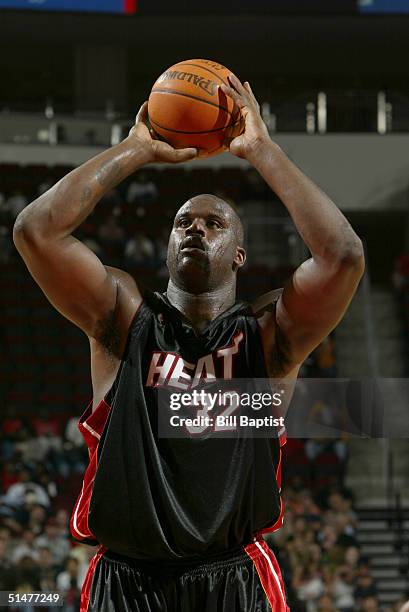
column 180, row 523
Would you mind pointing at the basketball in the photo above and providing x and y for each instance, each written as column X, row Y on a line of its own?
column 187, row 108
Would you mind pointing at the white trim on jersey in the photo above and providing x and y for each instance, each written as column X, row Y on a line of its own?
column 74, row 522
column 91, row 431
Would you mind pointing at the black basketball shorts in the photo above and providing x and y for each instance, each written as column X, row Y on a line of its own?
column 247, row 579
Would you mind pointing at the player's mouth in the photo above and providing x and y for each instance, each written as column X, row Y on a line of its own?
column 192, row 244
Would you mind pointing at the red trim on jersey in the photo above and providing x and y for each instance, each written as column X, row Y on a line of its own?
column 91, row 426
column 269, row 573
column 86, row 587
column 235, row 354
column 130, row 6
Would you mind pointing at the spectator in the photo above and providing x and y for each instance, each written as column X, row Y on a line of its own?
column 48, row 482
column 46, row 570
column 325, row 604
column 352, row 557
column 69, row 578
column 69, row 584
column 369, row 604
column 309, row 585
column 26, row 587
column 26, row 571
column 73, row 434
column 8, row 519
column 62, row 522
column 33, row 449
column 342, row 589
column 58, row 545
column 16, row 494
column 140, row 251
column 37, row 518
column 365, row 587
column 25, row 547
column 141, row 191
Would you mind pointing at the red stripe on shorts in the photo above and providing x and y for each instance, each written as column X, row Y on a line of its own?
column 86, row 587
column 269, row 573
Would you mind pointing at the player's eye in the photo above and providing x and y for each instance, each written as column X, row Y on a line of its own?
column 183, row 222
column 213, row 223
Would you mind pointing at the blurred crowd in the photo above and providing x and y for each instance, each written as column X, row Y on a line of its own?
column 41, row 465
column 107, row 231
column 319, row 553
column 131, row 224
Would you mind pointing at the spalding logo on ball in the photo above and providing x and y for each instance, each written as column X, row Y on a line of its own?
column 187, row 108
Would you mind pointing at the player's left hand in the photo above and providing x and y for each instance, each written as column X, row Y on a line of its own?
column 255, row 130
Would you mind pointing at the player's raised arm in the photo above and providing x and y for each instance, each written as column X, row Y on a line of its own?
column 320, row 290
column 72, row 277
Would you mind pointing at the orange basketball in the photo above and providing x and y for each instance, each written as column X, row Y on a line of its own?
column 187, row 108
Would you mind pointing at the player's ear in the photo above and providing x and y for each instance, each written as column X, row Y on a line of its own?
column 240, row 257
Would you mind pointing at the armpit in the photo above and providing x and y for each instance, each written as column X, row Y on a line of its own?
column 277, row 357
column 107, row 334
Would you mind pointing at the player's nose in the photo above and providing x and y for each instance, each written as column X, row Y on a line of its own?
column 197, row 226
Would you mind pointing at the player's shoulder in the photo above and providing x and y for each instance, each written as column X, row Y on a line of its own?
column 266, row 302
column 123, row 279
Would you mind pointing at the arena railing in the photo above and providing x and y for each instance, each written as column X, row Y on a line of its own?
column 312, row 112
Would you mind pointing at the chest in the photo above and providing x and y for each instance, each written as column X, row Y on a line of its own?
column 181, row 359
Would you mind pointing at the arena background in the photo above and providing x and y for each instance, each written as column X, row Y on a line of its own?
column 333, row 84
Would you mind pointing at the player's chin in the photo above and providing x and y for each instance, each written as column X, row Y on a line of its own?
column 193, row 257
column 193, row 271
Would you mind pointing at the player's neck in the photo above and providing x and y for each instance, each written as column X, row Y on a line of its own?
column 200, row 309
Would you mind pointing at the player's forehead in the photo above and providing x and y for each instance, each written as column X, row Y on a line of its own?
column 204, row 206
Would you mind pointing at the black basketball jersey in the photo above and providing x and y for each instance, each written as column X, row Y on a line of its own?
column 164, row 498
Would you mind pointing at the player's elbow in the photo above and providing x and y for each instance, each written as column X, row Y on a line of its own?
column 24, row 232
column 353, row 257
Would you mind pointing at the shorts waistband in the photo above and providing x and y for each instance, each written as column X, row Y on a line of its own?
column 226, row 558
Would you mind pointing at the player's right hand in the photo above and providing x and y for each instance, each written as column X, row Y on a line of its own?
column 157, row 151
